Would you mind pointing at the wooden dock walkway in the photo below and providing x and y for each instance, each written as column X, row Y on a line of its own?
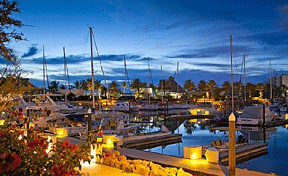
column 150, row 141
column 244, row 153
column 196, row 167
column 188, row 116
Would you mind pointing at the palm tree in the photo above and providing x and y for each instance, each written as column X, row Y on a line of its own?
column 124, row 85
column 114, row 88
column 212, row 86
column 97, row 86
column 190, row 86
column 202, row 86
column 53, row 87
column 77, row 84
column 153, row 88
column 83, row 85
column 136, row 84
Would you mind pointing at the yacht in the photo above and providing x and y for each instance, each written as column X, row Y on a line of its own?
column 253, row 115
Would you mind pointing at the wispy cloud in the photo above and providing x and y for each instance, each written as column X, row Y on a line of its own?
column 33, row 50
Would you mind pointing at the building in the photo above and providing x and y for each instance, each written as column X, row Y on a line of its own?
column 170, row 87
column 279, row 80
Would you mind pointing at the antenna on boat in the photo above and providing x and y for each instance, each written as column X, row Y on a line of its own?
column 92, row 69
column 231, row 54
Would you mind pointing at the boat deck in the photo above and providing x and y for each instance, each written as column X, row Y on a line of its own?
column 197, row 167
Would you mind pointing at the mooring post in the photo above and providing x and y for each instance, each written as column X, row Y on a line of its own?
column 89, row 112
column 232, row 145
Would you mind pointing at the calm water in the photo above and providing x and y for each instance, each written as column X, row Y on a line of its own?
column 275, row 161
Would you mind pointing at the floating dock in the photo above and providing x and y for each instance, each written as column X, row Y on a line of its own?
column 188, row 116
column 150, row 141
column 244, row 152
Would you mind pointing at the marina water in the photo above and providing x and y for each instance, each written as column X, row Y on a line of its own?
column 194, row 134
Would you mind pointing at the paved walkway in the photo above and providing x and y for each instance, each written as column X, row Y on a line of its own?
column 195, row 166
column 103, row 170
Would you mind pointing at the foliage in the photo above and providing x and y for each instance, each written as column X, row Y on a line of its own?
column 27, row 155
column 53, row 87
column 11, row 86
column 7, row 29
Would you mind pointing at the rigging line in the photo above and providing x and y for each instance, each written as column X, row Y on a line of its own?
column 97, row 51
column 85, row 46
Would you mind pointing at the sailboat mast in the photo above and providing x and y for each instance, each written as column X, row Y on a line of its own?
column 271, row 90
column 244, row 78
column 92, row 69
column 66, row 74
column 177, row 76
column 44, row 71
column 231, row 55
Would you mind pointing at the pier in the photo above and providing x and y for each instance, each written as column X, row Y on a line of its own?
column 195, row 167
column 244, row 153
column 150, row 141
column 188, row 116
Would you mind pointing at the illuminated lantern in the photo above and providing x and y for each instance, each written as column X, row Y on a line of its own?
column 61, row 132
column 192, row 152
column 2, row 122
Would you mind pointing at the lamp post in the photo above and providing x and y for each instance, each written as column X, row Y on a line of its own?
column 89, row 112
column 232, row 145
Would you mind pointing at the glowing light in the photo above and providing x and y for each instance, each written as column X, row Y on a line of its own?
column 193, row 120
column 286, row 116
column 61, row 132
column 99, row 139
column 2, row 122
column 206, row 113
column 109, row 142
column 20, row 137
column 194, row 156
column 93, row 153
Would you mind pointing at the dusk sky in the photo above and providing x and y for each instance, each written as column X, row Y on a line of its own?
column 193, row 33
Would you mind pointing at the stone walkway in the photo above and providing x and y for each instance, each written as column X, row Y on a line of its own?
column 198, row 167
column 102, row 170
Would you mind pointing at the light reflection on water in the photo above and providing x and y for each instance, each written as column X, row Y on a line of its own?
column 277, row 139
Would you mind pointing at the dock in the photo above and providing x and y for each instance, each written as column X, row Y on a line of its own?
column 244, row 153
column 276, row 123
column 195, row 167
column 152, row 140
column 188, row 116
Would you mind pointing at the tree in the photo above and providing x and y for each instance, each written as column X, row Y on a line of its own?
column 137, row 84
column 83, row 85
column 77, row 84
column 226, row 86
column 62, row 86
column 202, row 86
column 11, row 83
column 97, row 85
column 113, row 88
column 190, row 86
column 7, row 34
column 124, row 86
column 53, row 86
column 212, row 86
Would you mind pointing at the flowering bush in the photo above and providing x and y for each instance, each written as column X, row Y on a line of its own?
column 27, row 154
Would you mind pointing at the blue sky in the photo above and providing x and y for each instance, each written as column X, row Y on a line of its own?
column 193, row 33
